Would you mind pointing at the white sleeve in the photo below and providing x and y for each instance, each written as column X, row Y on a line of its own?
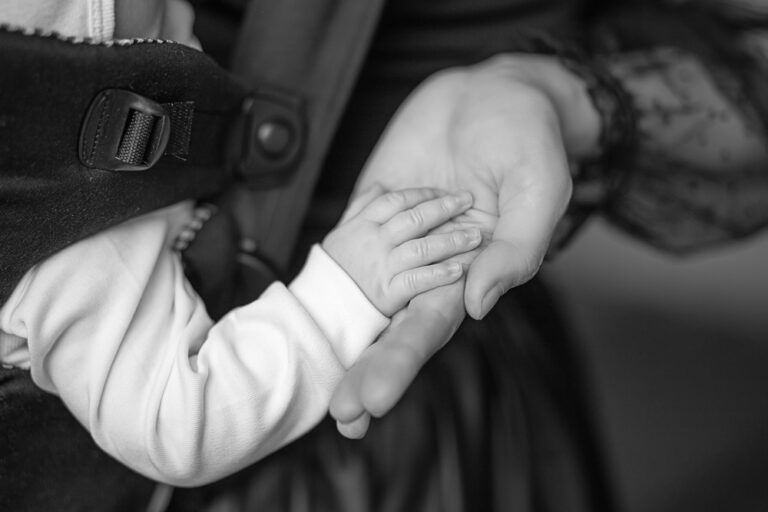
column 114, row 328
column 94, row 19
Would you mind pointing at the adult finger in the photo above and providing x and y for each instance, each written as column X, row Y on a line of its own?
column 377, row 380
column 346, row 404
column 356, row 428
column 528, row 216
column 413, row 338
column 379, row 377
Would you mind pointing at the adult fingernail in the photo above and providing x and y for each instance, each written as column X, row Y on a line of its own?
column 355, row 429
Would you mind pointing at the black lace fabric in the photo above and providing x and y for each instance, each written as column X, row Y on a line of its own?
column 698, row 174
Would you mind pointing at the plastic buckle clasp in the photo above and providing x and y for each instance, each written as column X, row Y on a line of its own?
column 107, row 132
column 269, row 138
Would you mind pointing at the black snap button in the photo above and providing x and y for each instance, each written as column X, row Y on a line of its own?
column 274, row 138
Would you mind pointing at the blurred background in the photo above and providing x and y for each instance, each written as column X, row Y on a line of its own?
column 677, row 351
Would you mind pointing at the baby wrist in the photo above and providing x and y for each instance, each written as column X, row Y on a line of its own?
column 341, row 310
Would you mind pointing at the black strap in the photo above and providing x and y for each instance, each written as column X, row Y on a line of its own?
column 51, row 195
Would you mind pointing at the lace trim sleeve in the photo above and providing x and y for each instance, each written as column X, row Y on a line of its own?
column 698, row 171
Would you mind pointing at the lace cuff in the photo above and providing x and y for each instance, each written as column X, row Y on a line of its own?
column 698, row 175
column 594, row 180
column 681, row 96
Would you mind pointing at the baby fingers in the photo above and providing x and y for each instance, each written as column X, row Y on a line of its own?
column 425, row 216
column 384, row 207
column 406, row 285
column 432, row 248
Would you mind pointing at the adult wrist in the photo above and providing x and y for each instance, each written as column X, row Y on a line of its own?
column 597, row 119
column 580, row 121
column 598, row 177
column 596, row 113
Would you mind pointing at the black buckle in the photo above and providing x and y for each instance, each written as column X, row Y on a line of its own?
column 123, row 131
column 269, row 138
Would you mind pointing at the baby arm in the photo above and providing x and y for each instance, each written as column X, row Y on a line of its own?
column 113, row 327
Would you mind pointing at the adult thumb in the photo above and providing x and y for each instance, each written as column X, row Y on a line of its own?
column 498, row 268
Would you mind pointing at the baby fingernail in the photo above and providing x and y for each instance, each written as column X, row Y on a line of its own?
column 454, row 269
column 467, row 237
column 464, row 198
column 473, row 235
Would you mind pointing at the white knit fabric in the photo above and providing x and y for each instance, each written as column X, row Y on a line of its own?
column 113, row 327
column 94, row 19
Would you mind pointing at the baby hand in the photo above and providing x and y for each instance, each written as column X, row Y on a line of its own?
column 386, row 249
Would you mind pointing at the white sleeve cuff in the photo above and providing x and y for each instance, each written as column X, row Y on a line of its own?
column 338, row 306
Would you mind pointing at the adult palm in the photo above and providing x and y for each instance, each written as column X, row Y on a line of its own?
column 491, row 129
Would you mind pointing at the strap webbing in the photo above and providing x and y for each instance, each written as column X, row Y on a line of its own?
column 137, row 134
column 136, row 137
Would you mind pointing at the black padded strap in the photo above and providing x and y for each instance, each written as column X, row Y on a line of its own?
column 48, row 197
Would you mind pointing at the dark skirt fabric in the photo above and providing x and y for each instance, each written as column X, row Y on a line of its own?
column 498, row 420
column 48, row 461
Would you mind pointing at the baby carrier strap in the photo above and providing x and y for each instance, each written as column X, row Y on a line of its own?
column 317, row 50
column 92, row 134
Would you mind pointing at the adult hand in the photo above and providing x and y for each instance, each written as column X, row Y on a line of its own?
column 504, row 130
column 375, row 383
